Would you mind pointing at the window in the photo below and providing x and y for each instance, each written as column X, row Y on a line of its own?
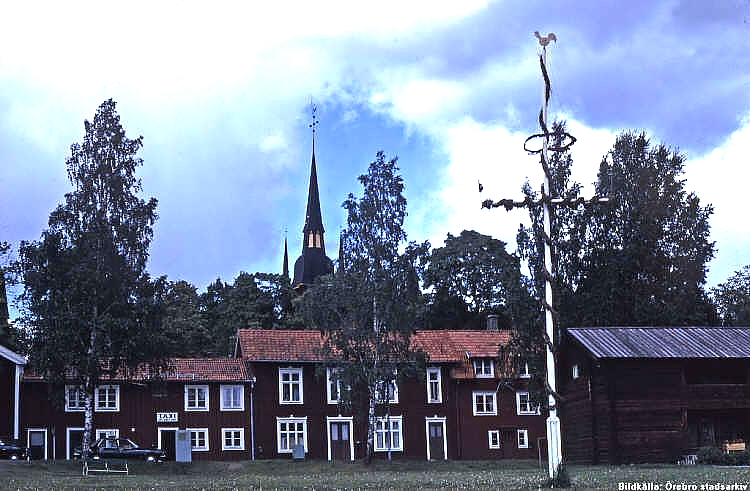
column 524, row 405
column 199, row 439
column 523, row 438
column 75, row 398
column 484, row 404
column 494, row 438
column 524, row 372
column 114, row 433
column 233, row 439
column 196, row 398
column 388, row 434
column 391, row 393
column 290, row 386
column 107, row 398
column 484, row 368
column 291, row 432
column 333, row 386
column 232, row 398
column 576, row 373
column 434, row 389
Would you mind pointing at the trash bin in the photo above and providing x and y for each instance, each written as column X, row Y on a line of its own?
column 298, row 452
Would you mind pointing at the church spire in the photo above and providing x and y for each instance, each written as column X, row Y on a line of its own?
column 285, row 268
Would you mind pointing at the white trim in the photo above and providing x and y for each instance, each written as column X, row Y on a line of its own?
column 531, row 411
column 290, row 419
column 483, row 362
column 117, row 399
column 290, row 371
column 525, row 373
column 341, row 419
column 28, row 439
column 474, row 403
column 232, row 448
column 81, row 392
column 158, row 435
column 330, row 399
column 576, row 372
column 525, row 434
column 199, row 449
column 17, row 401
column 222, row 401
column 389, row 420
column 197, row 408
column 439, row 399
column 490, row 433
column 379, row 388
column 435, row 419
column 12, row 356
column 110, row 432
column 68, row 456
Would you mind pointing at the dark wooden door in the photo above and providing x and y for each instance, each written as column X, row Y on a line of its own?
column 168, row 443
column 75, row 440
column 38, row 444
column 340, row 440
column 437, row 440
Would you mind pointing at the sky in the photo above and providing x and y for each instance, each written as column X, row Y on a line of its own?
column 221, row 92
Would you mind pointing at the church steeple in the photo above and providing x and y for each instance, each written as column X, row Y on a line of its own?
column 285, row 268
column 313, row 262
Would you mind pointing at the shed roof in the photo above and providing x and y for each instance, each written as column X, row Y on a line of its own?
column 12, row 356
column 664, row 342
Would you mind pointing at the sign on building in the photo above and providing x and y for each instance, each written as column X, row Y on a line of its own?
column 166, row 417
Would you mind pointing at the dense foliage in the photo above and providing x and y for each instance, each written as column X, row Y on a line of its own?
column 732, row 299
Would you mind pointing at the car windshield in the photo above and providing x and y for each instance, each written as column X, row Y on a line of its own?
column 126, row 444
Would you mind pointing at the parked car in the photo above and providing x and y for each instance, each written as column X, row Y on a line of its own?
column 121, row 448
column 12, row 449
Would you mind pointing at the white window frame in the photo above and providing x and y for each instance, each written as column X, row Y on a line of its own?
column 393, row 395
column 484, row 395
column 195, row 407
column 522, row 433
column 106, row 432
column 529, row 410
column 427, row 422
column 481, row 365
column 39, row 430
column 341, row 419
column 196, row 431
column 496, row 435
column 80, row 399
column 387, row 428
column 291, row 371
column 576, row 371
column 525, row 372
column 329, row 382
column 224, row 406
column 291, row 419
column 103, row 409
column 224, row 445
column 439, row 381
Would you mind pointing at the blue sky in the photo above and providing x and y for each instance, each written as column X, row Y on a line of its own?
column 221, row 92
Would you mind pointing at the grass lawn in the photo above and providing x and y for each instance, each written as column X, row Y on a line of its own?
column 395, row 475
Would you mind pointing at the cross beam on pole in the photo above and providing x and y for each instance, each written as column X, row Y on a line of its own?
column 554, row 441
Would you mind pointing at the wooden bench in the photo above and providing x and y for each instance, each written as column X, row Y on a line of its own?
column 111, row 466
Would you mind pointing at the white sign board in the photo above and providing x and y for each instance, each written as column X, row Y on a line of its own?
column 166, row 417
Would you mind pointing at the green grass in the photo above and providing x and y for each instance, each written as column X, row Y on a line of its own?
column 278, row 474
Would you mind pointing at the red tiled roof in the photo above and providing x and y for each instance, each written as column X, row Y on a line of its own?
column 299, row 345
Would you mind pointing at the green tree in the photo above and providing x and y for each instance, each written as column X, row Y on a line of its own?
column 10, row 336
column 732, row 299
column 184, row 321
column 91, row 306
column 369, row 310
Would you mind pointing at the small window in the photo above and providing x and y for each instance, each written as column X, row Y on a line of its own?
column 387, row 394
column 523, row 438
column 112, row 433
column 199, row 439
column 524, row 372
column 484, row 404
column 291, row 432
column 494, row 438
column 233, row 439
column 524, row 405
column 484, row 368
column 576, row 373
column 434, row 388
column 333, row 386
column 290, row 386
column 388, row 434
column 75, row 398
column 232, row 398
column 107, row 398
column 196, row 398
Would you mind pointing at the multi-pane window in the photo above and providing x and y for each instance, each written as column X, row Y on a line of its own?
column 388, row 434
column 196, row 398
column 113, row 433
column 494, row 438
column 484, row 403
column 291, row 432
column 387, row 393
column 484, row 368
column 232, row 398
column 199, row 439
column 434, row 391
column 107, row 398
column 524, row 404
column 523, row 438
column 290, row 385
column 333, row 386
column 75, row 398
column 233, row 439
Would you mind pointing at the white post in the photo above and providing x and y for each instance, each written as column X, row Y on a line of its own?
column 17, row 401
column 554, row 447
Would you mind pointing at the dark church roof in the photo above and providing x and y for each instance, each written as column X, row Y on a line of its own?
column 664, row 342
column 313, row 218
